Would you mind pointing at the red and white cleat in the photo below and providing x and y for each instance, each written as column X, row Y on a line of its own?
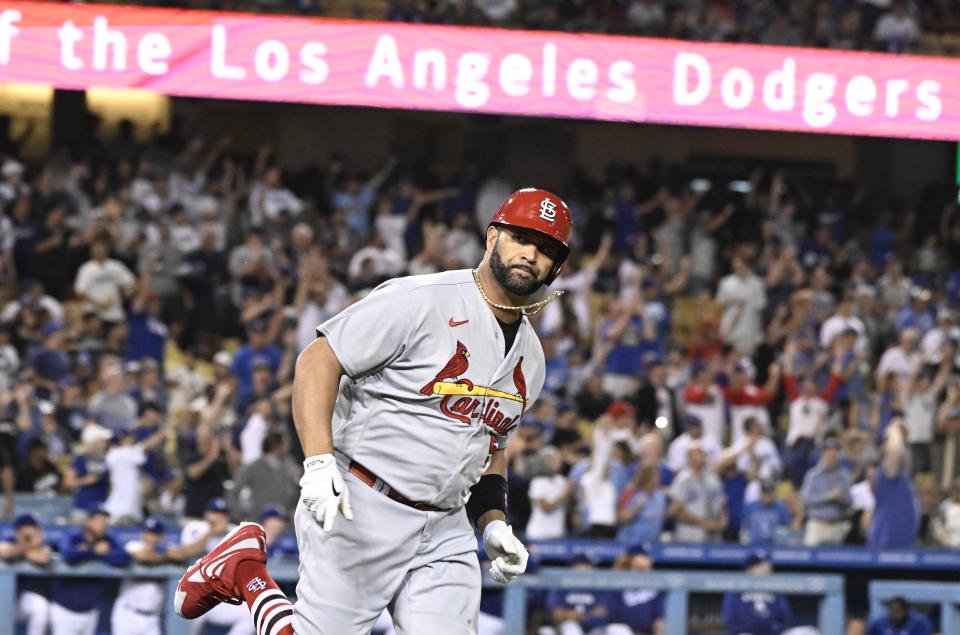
column 210, row 580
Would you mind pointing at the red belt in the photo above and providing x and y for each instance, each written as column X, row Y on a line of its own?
column 371, row 479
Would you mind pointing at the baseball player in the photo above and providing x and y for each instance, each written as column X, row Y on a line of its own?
column 139, row 602
column 433, row 373
column 29, row 545
column 76, row 601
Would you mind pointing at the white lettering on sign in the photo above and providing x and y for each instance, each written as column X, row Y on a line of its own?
column 548, row 210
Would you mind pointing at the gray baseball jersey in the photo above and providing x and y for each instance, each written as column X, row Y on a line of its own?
column 428, row 393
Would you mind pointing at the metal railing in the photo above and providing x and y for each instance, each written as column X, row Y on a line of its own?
column 678, row 585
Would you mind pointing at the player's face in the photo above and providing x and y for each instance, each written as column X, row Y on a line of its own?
column 521, row 260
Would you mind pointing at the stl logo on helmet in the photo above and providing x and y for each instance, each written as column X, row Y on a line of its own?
column 548, row 210
column 460, row 396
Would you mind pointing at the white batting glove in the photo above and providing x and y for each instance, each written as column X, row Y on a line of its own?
column 508, row 556
column 323, row 491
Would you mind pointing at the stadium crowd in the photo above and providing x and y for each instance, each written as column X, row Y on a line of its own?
column 765, row 361
column 894, row 26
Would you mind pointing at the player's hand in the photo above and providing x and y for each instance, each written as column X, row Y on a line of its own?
column 508, row 556
column 323, row 490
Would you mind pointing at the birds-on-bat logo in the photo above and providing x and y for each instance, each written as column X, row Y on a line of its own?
column 457, row 366
column 460, row 396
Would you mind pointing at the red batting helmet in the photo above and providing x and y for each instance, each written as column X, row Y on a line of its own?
column 543, row 212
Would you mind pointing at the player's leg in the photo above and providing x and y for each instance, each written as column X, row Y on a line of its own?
column 35, row 609
column 350, row 574
column 440, row 598
column 234, row 573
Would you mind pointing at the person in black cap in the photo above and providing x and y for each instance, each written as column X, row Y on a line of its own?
column 29, row 545
column 639, row 610
column 76, row 601
column 900, row 620
column 756, row 612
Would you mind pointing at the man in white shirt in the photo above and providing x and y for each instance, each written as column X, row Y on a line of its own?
column 386, row 262
column 125, row 501
column 692, row 435
column 698, row 500
column 896, row 29
column 34, row 294
column 268, row 198
column 900, row 359
column 102, row 282
column 548, row 497
column 742, row 297
column 839, row 322
column 933, row 342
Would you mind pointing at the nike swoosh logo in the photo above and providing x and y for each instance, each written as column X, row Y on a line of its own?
column 334, row 488
column 452, row 323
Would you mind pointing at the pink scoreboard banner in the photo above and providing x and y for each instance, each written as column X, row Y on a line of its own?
column 391, row 65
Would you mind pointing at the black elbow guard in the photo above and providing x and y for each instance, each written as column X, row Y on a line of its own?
column 490, row 492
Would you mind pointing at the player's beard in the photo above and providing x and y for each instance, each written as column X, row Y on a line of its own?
column 509, row 279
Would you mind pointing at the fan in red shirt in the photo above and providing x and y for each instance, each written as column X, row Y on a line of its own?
column 748, row 399
column 706, row 343
column 704, row 399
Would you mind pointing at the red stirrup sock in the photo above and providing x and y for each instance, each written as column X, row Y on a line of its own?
column 272, row 611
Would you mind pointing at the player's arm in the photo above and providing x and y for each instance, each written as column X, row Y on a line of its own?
column 316, row 382
column 487, row 508
column 497, row 468
column 315, row 385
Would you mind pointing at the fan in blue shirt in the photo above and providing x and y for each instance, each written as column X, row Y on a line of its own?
column 762, row 517
column 900, row 620
column 756, row 612
column 257, row 347
column 896, row 517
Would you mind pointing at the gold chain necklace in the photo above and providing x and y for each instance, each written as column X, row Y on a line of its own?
column 526, row 309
